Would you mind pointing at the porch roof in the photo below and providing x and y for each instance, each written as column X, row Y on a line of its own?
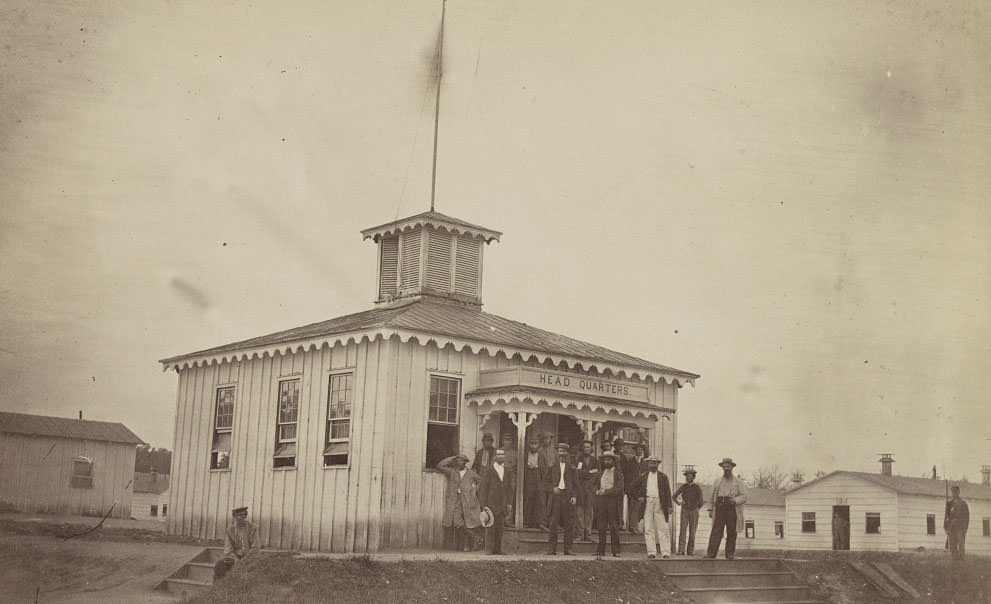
column 583, row 406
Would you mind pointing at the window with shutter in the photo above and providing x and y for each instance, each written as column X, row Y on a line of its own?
column 438, row 260
column 389, row 271
column 409, row 271
column 466, row 270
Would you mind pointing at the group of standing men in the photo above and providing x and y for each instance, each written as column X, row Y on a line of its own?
column 576, row 491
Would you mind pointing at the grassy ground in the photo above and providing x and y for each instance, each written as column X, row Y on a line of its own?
column 289, row 580
column 77, row 527
column 938, row 579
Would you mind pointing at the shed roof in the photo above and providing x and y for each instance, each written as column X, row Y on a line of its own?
column 150, row 482
column 66, row 427
column 909, row 485
column 445, row 323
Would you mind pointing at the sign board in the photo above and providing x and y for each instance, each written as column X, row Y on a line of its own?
column 565, row 382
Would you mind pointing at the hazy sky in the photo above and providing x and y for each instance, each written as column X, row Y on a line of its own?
column 788, row 198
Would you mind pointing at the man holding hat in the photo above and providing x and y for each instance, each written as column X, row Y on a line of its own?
column 240, row 541
column 495, row 496
column 608, row 485
column 561, row 486
column 728, row 496
column 654, row 490
column 485, row 455
column 689, row 497
column 461, row 510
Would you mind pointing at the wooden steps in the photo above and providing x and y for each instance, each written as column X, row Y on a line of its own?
column 743, row 580
column 194, row 576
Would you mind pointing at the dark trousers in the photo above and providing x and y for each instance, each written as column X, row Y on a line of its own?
column 605, row 516
column 956, row 538
column 634, row 511
column 533, row 498
column 562, row 514
column 222, row 567
column 493, row 534
column 723, row 517
column 689, row 522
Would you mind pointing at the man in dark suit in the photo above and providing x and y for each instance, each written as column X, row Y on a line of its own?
column 561, row 486
column 496, row 493
column 485, row 455
column 608, row 485
column 631, row 472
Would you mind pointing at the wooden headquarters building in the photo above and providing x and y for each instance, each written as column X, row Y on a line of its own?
column 330, row 432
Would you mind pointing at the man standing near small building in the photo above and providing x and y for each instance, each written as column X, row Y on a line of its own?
column 608, row 497
column 588, row 470
column 240, row 541
column 689, row 497
column 561, row 486
column 461, row 509
column 653, row 489
column 496, row 493
column 955, row 523
column 728, row 493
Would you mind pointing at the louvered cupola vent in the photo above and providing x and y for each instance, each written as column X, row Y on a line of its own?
column 430, row 254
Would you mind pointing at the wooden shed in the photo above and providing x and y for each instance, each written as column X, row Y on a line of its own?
column 58, row 465
column 763, row 521
column 330, row 432
column 151, row 496
column 880, row 512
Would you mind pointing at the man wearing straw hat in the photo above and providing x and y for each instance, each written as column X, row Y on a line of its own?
column 654, row 490
column 728, row 496
column 689, row 497
column 608, row 485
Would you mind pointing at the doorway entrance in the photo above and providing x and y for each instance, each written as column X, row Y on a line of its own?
column 841, row 527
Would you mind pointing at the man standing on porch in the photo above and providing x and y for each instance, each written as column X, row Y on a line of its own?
column 533, row 487
column 561, row 486
column 608, row 497
column 485, row 455
column 654, row 490
column 461, row 509
column 689, row 497
column 588, row 469
column 496, row 492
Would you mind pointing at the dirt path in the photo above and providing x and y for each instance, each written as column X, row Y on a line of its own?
column 49, row 570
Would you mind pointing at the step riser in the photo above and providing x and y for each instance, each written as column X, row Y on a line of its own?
column 788, row 580
column 197, row 572
column 756, row 595
column 183, row 590
column 679, row 564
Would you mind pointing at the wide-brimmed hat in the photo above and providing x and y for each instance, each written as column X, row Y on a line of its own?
column 727, row 460
column 690, row 471
column 487, row 435
column 486, row 517
column 609, row 454
column 563, row 447
column 461, row 456
column 653, row 458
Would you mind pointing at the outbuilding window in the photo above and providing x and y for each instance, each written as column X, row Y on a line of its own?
column 82, row 473
column 987, row 527
column 165, row 509
column 154, row 511
column 223, row 425
column 779, row 529
column 748, row 529
column 930, row 524
column 337, row 446
column 808, row 522
column 873, row 523
column 442, row 419
column 286, row 423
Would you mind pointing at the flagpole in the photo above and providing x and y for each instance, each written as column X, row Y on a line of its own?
column 440, row 74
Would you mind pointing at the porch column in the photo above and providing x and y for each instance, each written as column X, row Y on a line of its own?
column 521, row 419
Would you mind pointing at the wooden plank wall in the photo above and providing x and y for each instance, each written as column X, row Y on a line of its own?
column 36, row 475
column 860, row 495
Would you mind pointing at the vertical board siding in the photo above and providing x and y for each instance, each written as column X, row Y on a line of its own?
column 36, row 475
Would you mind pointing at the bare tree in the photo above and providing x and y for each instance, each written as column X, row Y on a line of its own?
column 769, row 477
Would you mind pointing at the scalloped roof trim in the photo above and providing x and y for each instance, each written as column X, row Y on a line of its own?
column 440, row 223
column 610, row 409
column 405, row 337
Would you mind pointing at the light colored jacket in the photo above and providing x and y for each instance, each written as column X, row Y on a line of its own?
column 240, row 541
column 468, row 485
column 738, row 491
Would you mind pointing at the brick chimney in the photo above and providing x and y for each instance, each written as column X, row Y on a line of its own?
column 886, row 461
column 986, row 474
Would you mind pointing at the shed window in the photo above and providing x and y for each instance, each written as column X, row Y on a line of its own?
column 987, row 527
column 930, row 524
column 337, row 446
column 223, row 424
column 82, row 473
column 808, row 522
column 165, row 509
column 779, row 529
column 749, row 529
column 442, row 419
column 872, row 523
column 285, row 430
column 154, row 511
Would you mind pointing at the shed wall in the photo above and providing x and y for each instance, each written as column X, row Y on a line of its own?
column 860, row 495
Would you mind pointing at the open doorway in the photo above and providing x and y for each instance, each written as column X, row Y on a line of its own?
column 841, row 527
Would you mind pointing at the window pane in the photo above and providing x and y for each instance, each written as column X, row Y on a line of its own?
column 444, row 399
column 442, row 441
column 339, row 399
column 225, row 407
column 873, row 522
column 287, row 432
column 288, row 400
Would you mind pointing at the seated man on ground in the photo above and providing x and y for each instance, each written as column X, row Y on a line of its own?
column 240, row 541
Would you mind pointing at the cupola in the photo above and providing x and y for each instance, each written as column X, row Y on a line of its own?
column 430, row 254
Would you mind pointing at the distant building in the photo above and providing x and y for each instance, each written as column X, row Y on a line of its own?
column 330, row 432
column 882, row 512
column 763, row 520
column 59, row 465
column 151, row 496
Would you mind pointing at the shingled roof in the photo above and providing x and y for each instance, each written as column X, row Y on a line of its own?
column 66, row 427
column 446, row 324
column 150, row 482
column 910, row 485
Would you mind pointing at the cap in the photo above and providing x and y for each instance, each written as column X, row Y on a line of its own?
column 487, row 435
column 609, row 454
column 653, row 458
column 563, row 446
column 461, row 456
column 239, row 510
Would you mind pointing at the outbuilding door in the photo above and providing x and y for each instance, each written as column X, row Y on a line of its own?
column 841, row 527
